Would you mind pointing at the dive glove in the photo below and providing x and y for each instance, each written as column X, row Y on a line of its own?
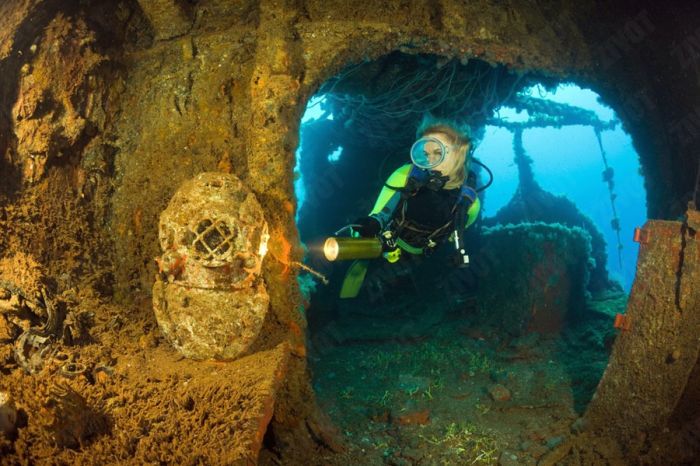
column 367, row 226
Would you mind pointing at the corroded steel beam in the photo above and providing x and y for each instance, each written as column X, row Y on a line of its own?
column 653, row 358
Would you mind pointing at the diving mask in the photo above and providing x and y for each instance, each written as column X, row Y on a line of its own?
column 428, row 152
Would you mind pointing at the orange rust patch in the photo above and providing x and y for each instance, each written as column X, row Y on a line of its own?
column 281, row 249
column 415, row 418
column 224, row 164
column 622, row 322
column 269, row 401
column 294, row 327
column 298, row 347
column 299, row 350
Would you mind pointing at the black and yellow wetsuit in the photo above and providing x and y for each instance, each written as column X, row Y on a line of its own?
column 422, row 216
column 418, row 218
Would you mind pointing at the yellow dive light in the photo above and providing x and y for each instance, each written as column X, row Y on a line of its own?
column 337, row 248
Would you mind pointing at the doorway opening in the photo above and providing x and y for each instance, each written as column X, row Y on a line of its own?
column 437, row 364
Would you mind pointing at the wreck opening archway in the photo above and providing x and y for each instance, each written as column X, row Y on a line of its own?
column 338, row 175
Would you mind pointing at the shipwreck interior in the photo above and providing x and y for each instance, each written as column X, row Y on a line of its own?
column 170, row 169
column 426, row 344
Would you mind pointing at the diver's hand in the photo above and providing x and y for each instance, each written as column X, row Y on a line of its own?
column 367, row 226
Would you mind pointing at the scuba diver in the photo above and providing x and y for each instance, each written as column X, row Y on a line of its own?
column 422, row 204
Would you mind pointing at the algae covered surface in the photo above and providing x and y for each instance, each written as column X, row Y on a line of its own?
column 106, row 108
column 136, row 400
column 419, row 379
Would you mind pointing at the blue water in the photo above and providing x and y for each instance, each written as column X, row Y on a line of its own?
column 314, row 110
column 566, row 161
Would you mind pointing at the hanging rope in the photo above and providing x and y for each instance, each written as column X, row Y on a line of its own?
column 381, row 101
column 608, row 177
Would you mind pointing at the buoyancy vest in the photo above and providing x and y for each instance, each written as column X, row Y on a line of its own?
column 405, row 194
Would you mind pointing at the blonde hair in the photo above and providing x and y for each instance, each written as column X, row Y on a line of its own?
column 461, row 137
